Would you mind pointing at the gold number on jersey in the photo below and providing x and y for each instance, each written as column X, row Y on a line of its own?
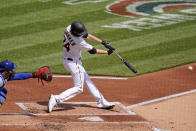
column 67, row 46
column 69, row 40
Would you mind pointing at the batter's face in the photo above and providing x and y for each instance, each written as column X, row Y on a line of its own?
column 6, row 74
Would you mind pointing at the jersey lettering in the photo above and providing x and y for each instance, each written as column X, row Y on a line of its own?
column 68, row 41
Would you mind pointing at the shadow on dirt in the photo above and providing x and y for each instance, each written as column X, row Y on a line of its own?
column 70, row 106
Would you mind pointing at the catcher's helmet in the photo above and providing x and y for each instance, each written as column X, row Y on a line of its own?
column 78, row 29
column 7, row 65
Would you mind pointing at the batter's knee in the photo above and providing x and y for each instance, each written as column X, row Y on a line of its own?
column 79, row 89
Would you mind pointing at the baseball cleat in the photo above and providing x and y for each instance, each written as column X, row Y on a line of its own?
column 108, row 107
column 51, row 103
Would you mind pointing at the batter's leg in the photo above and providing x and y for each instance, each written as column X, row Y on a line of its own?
column 78, row 80
column 101, row 101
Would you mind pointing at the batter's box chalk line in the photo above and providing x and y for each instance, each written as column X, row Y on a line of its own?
column 126, row 111
column 160, row 99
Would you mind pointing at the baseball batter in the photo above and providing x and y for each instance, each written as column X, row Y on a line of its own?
column 73, row 44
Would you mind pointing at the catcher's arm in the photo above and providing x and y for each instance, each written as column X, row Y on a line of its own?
column 43, row 73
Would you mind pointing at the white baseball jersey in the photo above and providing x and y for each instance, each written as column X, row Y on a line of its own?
column 72, row 47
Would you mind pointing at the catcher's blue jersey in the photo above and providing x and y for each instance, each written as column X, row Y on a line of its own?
column 19, row 76
column 2, row 82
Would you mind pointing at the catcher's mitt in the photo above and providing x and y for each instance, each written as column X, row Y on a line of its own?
column 43, row 73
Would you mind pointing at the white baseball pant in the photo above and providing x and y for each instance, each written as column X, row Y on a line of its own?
column 80, row 77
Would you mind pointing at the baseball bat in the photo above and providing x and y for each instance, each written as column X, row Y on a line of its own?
column 126, row 63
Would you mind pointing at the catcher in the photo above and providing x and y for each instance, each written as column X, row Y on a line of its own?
column 7, row 74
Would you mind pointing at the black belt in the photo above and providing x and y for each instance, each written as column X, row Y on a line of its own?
column 72, row 59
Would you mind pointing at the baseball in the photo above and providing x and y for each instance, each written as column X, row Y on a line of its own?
column 190, row 67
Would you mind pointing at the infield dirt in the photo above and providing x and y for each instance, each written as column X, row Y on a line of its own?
column 176, row 114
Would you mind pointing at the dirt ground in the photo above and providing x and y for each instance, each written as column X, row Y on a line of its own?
column 175, row 114
column 163, row 100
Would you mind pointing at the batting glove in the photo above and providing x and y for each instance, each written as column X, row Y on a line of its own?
column 110, row 52
column 107, row 45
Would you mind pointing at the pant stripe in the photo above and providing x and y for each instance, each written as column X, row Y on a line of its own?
column 80, row 74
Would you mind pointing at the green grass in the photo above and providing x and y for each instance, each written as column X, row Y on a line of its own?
column 31, row 34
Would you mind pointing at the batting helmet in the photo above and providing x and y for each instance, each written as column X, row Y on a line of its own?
column 7, row 65
column 78, row 29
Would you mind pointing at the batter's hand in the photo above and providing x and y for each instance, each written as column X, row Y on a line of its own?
column 107, row 45
column 110, row 52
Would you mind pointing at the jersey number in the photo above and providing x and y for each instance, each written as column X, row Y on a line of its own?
column 67, row 46
column 69, row 40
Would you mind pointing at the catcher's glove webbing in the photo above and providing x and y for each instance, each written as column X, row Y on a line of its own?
column 43, row 73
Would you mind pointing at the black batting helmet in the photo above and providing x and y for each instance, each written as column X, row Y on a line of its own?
column 78, row 29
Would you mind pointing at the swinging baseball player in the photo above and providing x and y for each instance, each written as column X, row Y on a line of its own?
column 73, row 44
column 7, row 74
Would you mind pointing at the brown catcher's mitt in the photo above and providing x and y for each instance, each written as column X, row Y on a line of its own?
column 43, row 73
